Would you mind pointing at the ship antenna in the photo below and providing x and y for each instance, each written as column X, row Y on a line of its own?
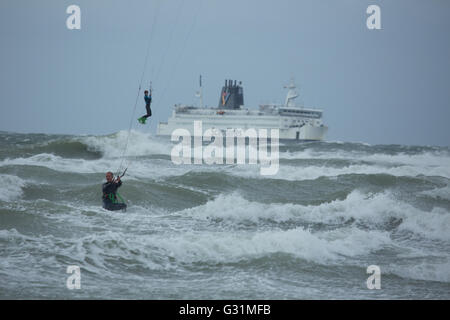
column 291, row 95
column 199, row 93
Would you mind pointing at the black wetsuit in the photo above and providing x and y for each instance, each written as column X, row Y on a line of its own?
column 109, row 195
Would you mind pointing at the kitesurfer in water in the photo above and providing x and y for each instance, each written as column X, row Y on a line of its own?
column 148, row 101
column 109, row 193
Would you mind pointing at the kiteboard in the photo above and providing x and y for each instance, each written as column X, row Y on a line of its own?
column 142, row 120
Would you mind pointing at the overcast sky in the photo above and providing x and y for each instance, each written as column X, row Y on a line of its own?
column 376, row 86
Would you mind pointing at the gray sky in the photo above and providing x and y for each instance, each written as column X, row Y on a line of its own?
column 375, row 86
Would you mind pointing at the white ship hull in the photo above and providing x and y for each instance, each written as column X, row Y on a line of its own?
column 304, row 132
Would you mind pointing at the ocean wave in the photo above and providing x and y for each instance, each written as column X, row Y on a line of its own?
column 321, row 247
column 312, row 172
column 88, row 154
column 438, row 193
column 427, row 158
column 88, row 147
column 58, row 163
column 139, row 168
column 67, row 148
column 375, row 211
column 11, row 187
column 64, row 146
column 424, row 271
column 135, row 143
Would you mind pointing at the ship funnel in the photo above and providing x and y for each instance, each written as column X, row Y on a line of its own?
column 231, row 96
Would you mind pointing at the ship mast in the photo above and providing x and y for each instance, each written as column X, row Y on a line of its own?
column 291, row 95
column 199, row 94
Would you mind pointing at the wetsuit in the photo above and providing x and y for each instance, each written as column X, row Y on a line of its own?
column 109, row 196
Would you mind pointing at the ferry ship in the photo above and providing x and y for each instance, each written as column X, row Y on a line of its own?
column 295, row 122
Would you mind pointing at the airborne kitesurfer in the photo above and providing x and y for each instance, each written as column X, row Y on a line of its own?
column 148, row 101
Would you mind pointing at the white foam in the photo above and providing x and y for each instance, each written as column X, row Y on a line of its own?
column 438, row 193
column 425, row 271
column 381, row 209
column 142, row 144
column 425, row 159
column 58, row 163
column 142, row 168
column 217, row 245
column 10, row 187
column 299, row 173
column 235, row 207
column 113, row 147
column 321, row 247
column 375, row 211
column 139, row 144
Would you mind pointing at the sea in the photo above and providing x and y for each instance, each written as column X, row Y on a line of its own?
column 339, row 220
